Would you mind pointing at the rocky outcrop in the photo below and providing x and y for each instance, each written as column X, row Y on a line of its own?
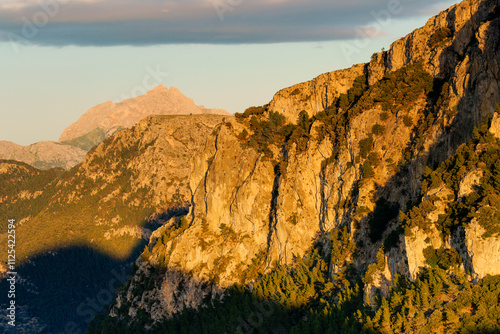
column 483, row 252
column 457, row 45
column 315, row 95
column 478, row 249
column 159, row 101
column 43, row 155
column 279, row 211
column 495, row 124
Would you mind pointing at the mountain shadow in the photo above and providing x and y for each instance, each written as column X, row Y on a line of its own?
column 283, row 301
column 64, row 289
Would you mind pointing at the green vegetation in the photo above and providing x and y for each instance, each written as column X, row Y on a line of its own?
column 394, row 92
column 378, row 129
column 359, row 87
column 279, row 301
column 438, row 303
column 442, row 258
column 252, row 111
column 368, row 170
column 439, row 37
column 407, row 121
column 101, row 205
column 26, row 191
column 323, row 292
column 266, row 132
column 396, row 89
column 365, row 146
column 269, row 129
column 87, row 141
column 372, row 161
column 256, row 267
column 418, row 217
column 480, row 156
column 374, row 267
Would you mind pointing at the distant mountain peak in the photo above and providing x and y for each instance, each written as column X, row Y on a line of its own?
column 160, row 89
column 158, row 101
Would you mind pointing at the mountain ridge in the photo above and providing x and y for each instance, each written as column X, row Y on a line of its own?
column 158, row 101
column 99, row 123
column 363, row 201
column 439, row 44
column 44, row 154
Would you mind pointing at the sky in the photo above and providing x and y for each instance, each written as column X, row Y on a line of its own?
column 58, row 58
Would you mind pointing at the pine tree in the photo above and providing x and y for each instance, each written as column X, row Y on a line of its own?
column 496, row 177
column 398, row 324
column 385, row 317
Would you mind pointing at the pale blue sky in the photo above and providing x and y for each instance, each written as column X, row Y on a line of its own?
column 49, row 80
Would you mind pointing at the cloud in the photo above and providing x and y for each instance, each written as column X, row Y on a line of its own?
column 147, row 22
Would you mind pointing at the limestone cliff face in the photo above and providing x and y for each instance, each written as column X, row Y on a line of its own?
column 478, row 247
column 157, row 151
column 483, row 252
column 242, row 206
column 43, row 155
column 480, row 253
column 418, row 240
column 315, row 95
column 281, row 212
column 260, row 198
column 159, row 101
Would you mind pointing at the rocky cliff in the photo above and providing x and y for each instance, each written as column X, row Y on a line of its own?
column 345, row 151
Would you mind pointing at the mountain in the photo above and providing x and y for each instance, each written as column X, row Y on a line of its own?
column 108, row 117
column 319, row 211
column 43, row 155
column 363, row 201
column 99, row 123
column 77, row 230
